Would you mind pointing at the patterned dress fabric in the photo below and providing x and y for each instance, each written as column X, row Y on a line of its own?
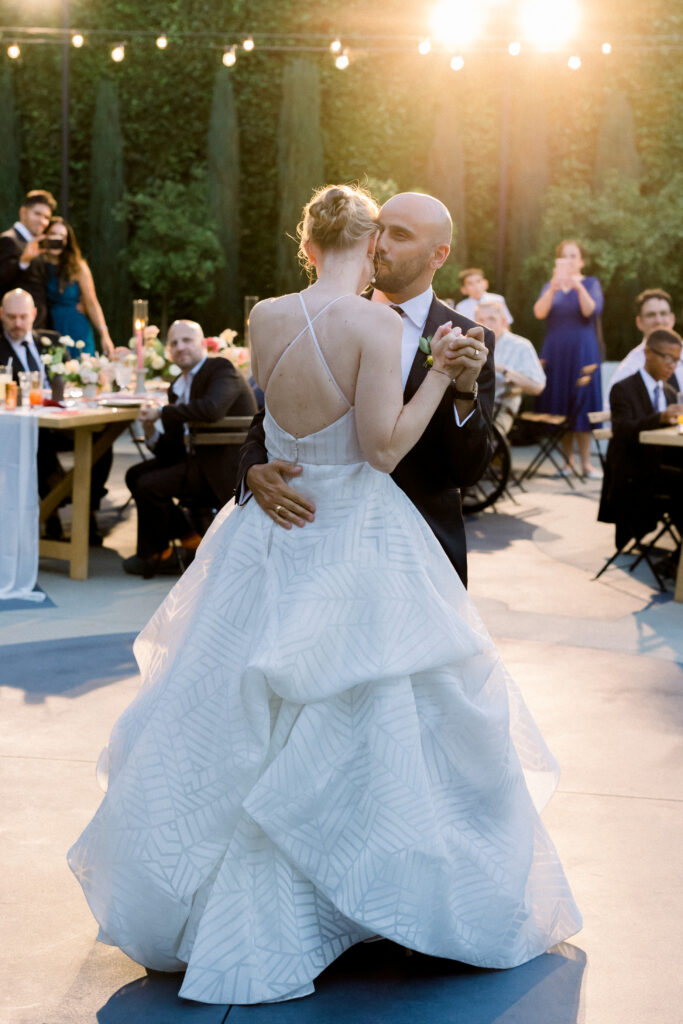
column 570, row 343
column 325, row 747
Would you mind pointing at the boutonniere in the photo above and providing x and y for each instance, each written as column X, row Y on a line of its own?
column 425, row 345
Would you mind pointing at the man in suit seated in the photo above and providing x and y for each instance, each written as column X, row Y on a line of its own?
column 205, row 391
column 641, row 481
column 21, row 249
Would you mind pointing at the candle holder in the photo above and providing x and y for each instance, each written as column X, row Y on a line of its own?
column 140, row 320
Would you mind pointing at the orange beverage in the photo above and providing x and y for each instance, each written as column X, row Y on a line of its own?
column 35, row 396
column 11, row 394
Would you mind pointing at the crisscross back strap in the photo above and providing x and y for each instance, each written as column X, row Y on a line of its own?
column 309, row 327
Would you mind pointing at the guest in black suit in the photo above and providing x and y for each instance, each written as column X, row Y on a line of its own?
column 640, row 480
column 455, row 448
column 206, row 390
column 21, row 251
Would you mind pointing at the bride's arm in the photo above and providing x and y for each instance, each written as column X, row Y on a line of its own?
column 388, row 429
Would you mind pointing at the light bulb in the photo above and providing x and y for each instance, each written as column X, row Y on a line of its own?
column 342, row 61
column 118, row 53
column 229, row 56
column 457, row 63
column 514, row 49
column 162, row 42
column 248, row 43
column 77, row 40
column 335, row 45
column 13, row 51
column 425, row 46
column 606, row 47
column 574, row 63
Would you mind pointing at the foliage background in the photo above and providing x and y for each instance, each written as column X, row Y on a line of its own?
column 379, row 119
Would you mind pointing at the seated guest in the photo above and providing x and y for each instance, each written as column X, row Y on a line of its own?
column 474, row 285
column 653, row 311
column 22, row 248
column 206, row 390
column 24, row 346
column 518, row 368
column 636, row 475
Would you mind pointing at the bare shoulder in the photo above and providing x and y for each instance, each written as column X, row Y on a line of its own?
column 364, row 315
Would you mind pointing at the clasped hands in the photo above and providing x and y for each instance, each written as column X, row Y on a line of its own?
column 461, row 356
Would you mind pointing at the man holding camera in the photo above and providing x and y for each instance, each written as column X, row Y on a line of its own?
column 21, row 249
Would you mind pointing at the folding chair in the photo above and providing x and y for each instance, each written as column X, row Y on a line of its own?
column 601, row 433
column 550, row 428
column 644, row 550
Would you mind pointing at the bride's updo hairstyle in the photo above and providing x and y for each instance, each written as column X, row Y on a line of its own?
column 337, row 217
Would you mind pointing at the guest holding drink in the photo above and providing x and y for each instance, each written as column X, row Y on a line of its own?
column 71, row 290
column 571, row 303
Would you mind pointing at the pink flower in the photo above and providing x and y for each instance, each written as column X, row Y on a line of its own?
column 211, row 345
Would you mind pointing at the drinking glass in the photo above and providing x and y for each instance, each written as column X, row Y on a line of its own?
column 123, row 375
column 24, row 387
column 5, row 379
column 35, row 395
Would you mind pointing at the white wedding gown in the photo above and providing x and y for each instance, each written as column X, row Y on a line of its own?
column 325, row 747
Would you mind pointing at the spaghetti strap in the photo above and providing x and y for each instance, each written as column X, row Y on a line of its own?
column 317, row 344
column 309, row 327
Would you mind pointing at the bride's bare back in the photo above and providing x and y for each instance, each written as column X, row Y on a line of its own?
column 308, row 367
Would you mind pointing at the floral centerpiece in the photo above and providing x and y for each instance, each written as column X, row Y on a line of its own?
column 224, row 345
column 87, row 372
column 154, row 358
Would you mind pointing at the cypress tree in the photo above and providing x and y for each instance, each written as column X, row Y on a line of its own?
column 10, row 190
column 223, row 183
column 108, row 233
column 446, row 171
column 300, row 162
column 616, row 144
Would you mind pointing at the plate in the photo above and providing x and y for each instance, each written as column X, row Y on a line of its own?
column 120, row 401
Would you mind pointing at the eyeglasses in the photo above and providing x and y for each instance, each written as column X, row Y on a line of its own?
column 671, row 360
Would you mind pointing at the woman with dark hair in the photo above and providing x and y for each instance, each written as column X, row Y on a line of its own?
column 70, row 286
column 572, row 304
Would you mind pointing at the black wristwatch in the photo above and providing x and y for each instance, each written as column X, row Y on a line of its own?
column 469, row 396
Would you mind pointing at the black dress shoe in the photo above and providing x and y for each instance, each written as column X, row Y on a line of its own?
column 153, row 566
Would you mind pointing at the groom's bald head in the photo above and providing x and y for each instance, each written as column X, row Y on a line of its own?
column 415, row 239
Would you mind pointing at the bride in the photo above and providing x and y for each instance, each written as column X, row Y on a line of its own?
column 326, row 745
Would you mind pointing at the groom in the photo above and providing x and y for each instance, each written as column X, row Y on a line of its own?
column 415, row 237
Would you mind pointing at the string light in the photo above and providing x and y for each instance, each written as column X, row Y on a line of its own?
column 606, row 47
column 13, row 51
column 457, row 63
column 162, row 42
column 342, row 61
column 425, row 46
column 514, row 49
column 229, row 56
column 574, row 63
column 118, row 53
column 77, row 40
column 335, row 45
column 248, row 44
column 549, row 24
column 457, row 21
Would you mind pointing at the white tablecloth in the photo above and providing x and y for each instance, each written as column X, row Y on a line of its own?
column 19, row 505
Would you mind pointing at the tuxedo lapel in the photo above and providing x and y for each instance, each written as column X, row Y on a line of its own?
column 438, row 314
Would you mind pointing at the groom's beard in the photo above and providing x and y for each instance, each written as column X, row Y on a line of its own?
column 392, row 279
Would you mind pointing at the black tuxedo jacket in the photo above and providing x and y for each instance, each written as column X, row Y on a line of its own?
column 446, row 457
column 33, row 279
column 218, row 390
column 7, row 352
column 631, row 469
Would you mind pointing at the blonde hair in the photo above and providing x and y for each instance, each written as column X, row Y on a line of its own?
column 337, row 217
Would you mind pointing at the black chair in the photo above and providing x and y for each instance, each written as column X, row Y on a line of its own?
column 601, row 431
column 493, row 483
column 230, row 430
column 550, row 428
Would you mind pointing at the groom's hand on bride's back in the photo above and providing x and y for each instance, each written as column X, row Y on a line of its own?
column 267, row 482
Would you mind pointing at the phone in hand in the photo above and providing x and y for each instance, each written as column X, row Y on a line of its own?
column 55, row 244
column 562, row 270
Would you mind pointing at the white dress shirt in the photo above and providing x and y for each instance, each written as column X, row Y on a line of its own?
column 655, row 389
column 27, row 236
column 182, row 388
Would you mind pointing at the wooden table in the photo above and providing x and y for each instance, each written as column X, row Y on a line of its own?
column 670, row 437
column 83, row 422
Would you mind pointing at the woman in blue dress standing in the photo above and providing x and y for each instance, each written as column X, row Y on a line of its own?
column 571, row 304
column 71, row 292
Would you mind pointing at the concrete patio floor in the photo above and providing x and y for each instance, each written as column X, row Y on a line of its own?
column 600, row 664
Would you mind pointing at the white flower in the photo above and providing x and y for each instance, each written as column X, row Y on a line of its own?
column 67, row 340
column 228, row 335
column 150, row 332
column 174, row 370
column 59, row 368
column 46, row 359
column 89, row 376
column 46, row 341
column 158, row 362
column 80, row 344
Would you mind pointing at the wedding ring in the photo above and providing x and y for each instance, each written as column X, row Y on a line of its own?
column 278, row 510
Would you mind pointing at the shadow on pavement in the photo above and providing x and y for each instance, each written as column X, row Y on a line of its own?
column 68, row 667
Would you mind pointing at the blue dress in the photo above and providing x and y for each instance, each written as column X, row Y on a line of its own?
column 571, row 342
column 65, row 317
